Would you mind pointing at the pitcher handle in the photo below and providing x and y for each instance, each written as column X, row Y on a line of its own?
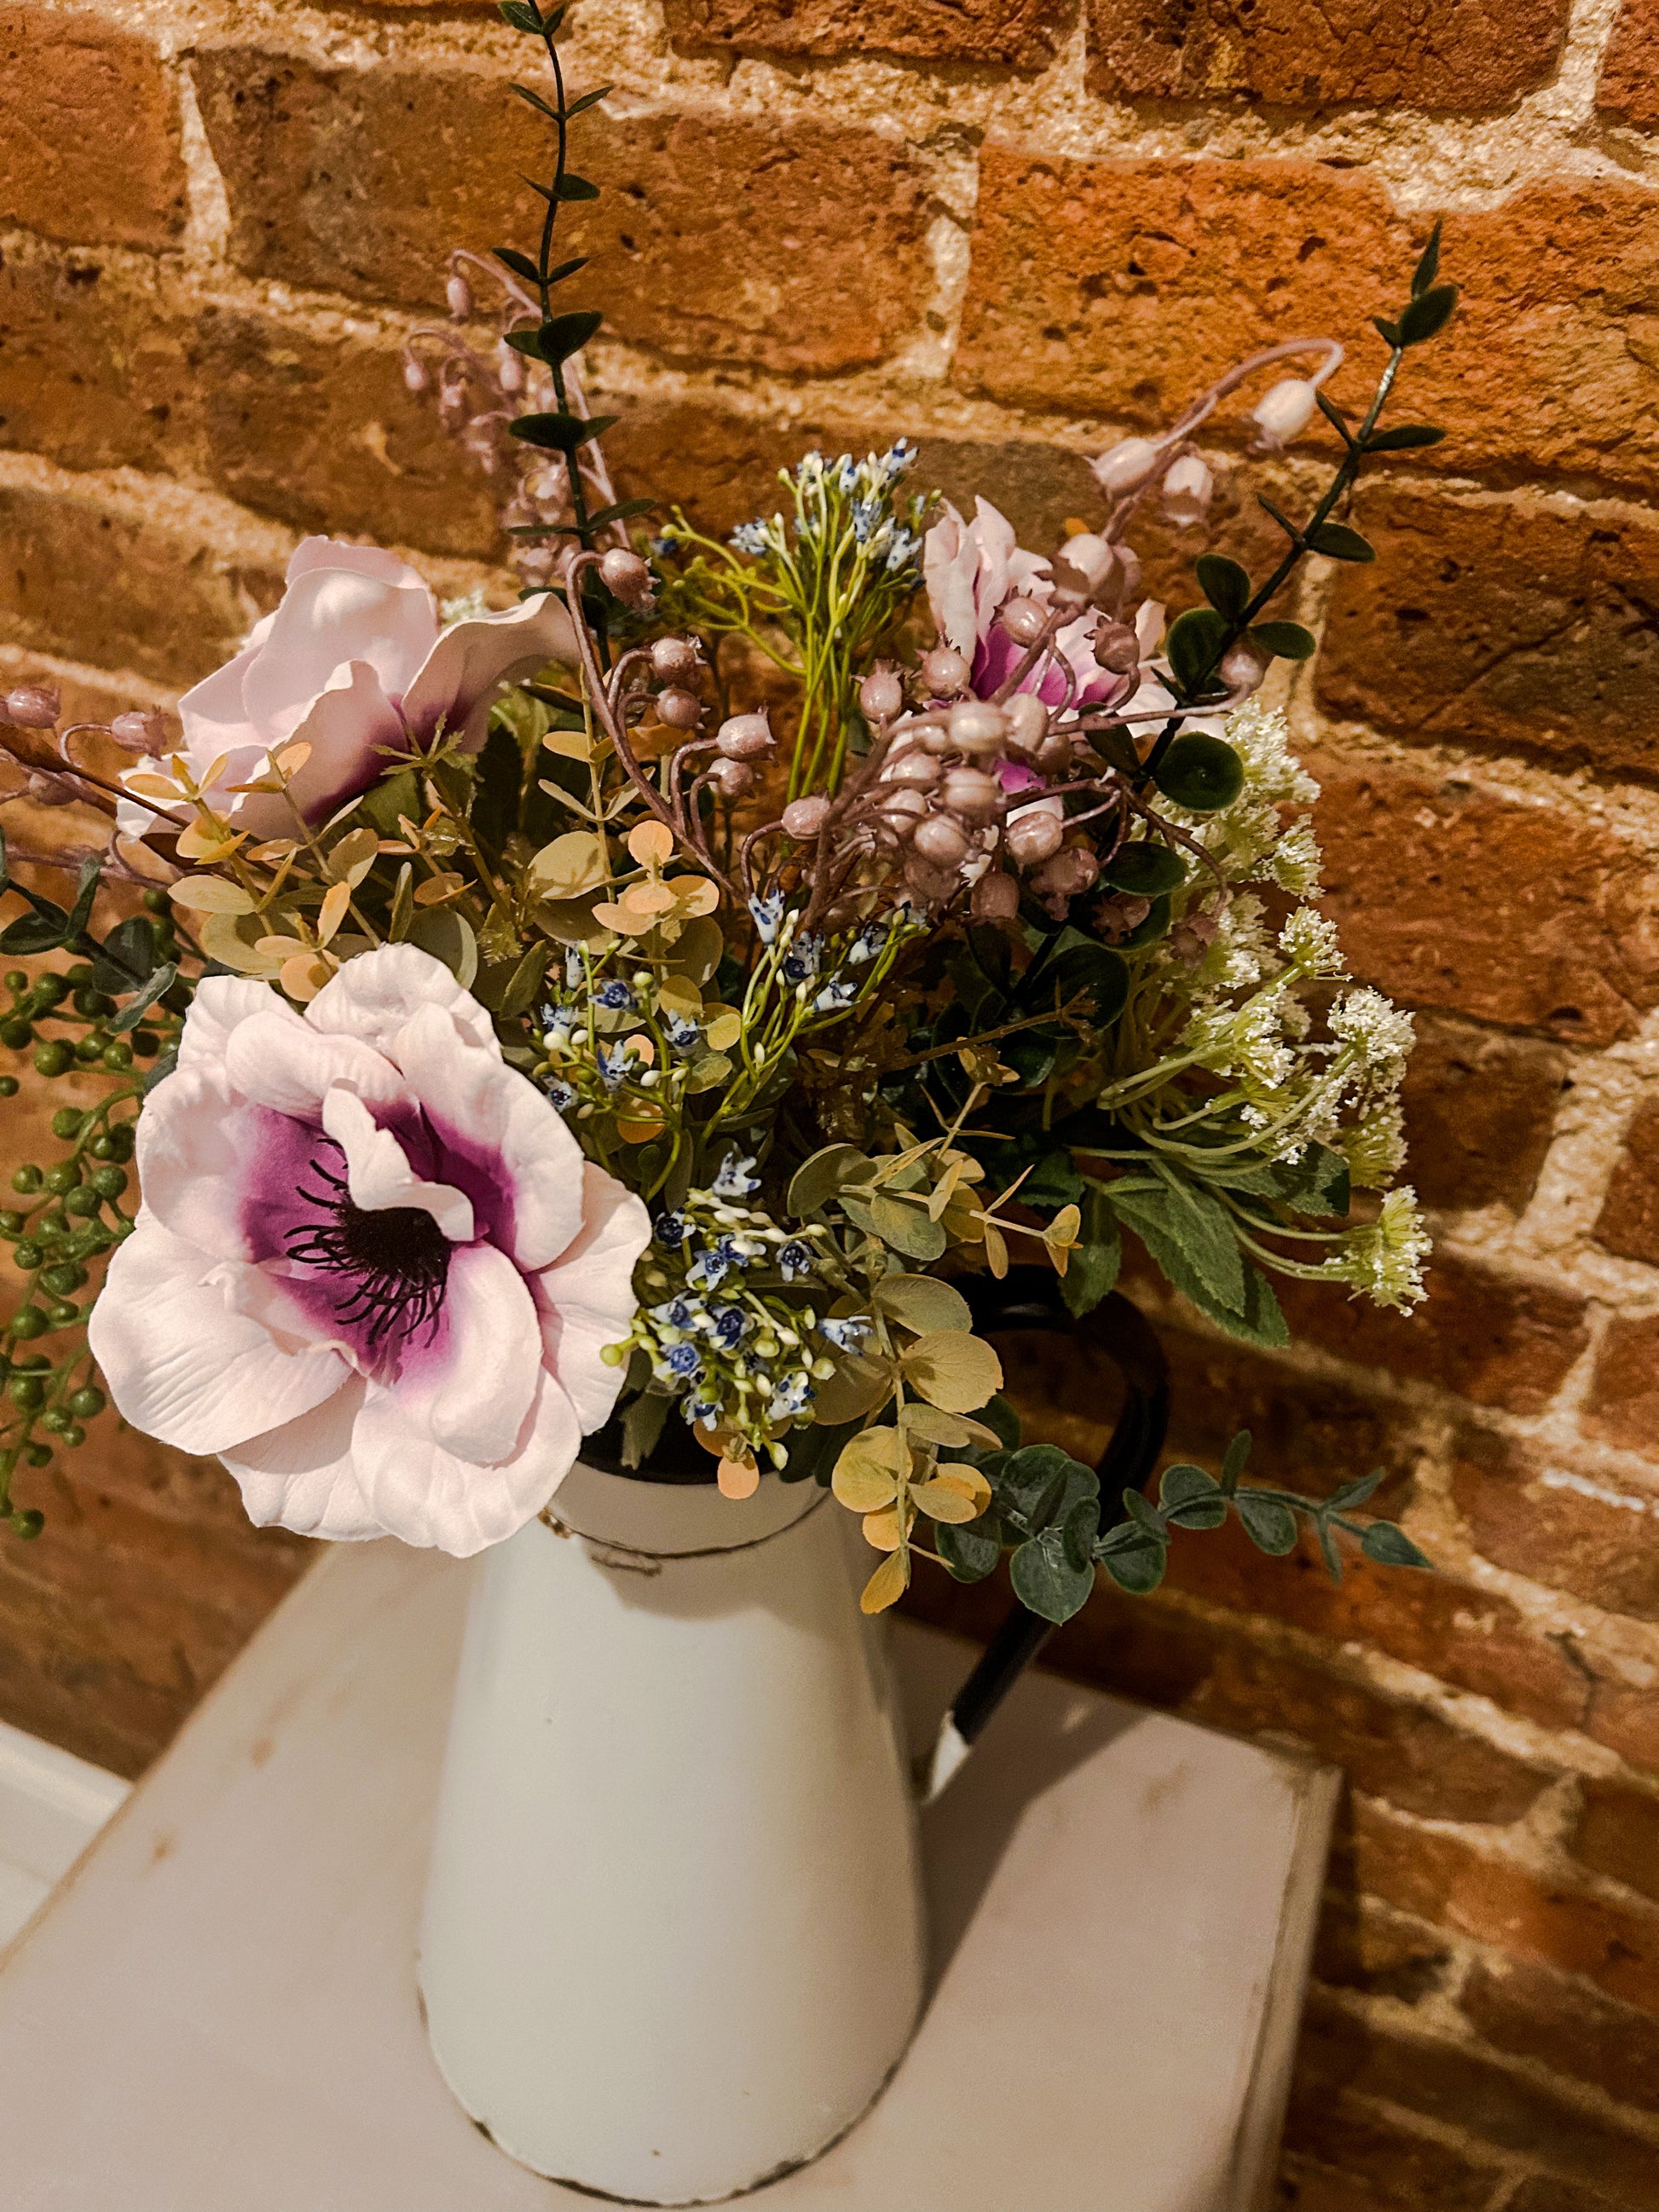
column 1028, row 1298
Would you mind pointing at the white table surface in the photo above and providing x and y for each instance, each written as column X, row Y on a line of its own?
column 216, row 2011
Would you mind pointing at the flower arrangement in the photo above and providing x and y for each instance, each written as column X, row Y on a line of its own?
column 649, row 1003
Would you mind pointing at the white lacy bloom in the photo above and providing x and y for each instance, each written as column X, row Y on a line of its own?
column 1309, row 939
column 1246, row 1042
column 1375, row 1148
column 1261, row 737
column 1236, row 958
column 1385, row 1258
column 1375, row 1029
column 372, row 1270
column 1296, row 860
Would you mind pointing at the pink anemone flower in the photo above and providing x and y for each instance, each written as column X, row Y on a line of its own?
column 372, row 1270
column 355, row 663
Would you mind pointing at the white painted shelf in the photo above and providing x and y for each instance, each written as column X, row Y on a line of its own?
column 218, row 2009
column 51, row 1806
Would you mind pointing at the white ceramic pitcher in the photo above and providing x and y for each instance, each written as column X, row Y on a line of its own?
column 673, row 1942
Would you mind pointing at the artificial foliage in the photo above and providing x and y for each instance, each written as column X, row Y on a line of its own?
column 871, row 896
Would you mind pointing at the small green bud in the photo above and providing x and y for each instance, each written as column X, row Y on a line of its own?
column 28, row 1256
column 38, row 1454
column 88, row 1402
column 93, row 1004
column 11, row 1222
column 66, row 1122
column 109, row 1183
column 49, row 990
column 613, row 1354
column 16, row 980
column 90, row 1047
column 54, row 1058
column 78, row 975
column 16, row 1033
column 7, row 1086
column 118, row 1057
column 60, row 1312
column 28, row 1178
column 83, row 1202
column 64, row 1176
column 28, row 1524
column 55, row 1420
column 146, row 1043
column 29, row 1321
column 27, row 1392
column 75, row 1435
column 121, row 1141
column 62, row 1278
column 154, row 903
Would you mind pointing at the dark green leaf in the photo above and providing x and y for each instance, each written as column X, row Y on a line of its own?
column 1090, row 967
column 1270, row 1526
column 1329, row 1548
column 573, row 187
column 1318, row 1184
column 588, row 100
column 1353, row 1493
column 521, row 993
column 1117, row 747
column 1392, row 1547
column 559, row 432
column 519, row 264
column 1045, row 1578
column 1196, row 642
column 567, row 269
column 1174, row 1219
column 1335, row 416
column 129, row 956
column 1429, row 267
column 1144, row 869
column 163, row 1067
column 1290, row 529
column 1000, row 1415
column 542, row 106
column 969, row 1548
column 1224, row 583
column 136, row 1008
column 85, row 890
column 1405, row 439
column 1191, row 1498
column 1053, row 1182
column 1146, row 1515
column 1388, row 331
column 1079, row 1528
column 1427, row 315
column 1338, row 543
column 1156, row 925
column 564, row 335
column 33, row 932
column 1136, row 1563
column 623, row 511
column 1039, row 1484
column 1284, row 640
column 1233, row 1462
column 497, row 787
column 1199, row 772
column 522, row 16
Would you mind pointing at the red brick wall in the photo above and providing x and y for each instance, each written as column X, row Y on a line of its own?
column 1013, row 229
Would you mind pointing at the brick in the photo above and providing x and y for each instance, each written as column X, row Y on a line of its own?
column 1361, row 1945
column 1628, row 1222
column 1493, row 1338
column 1345, row 2155
column 1358, row 2062
column 1623, row 1715
column 1624, row 1402
column 1118, row 288
column 1617, row 1834
column 1565, row 2025
column 1543, row 2192
column 79, row 581
column 713, row 238
column 1591, row 1539
column 1502, row 627
column 1443, row 1878
column 1023, row 33
column 92, row 374
column 1462, row 56
column 1480, row 1113
column 1453, row 895
column 89, row 122
column 1629, row 89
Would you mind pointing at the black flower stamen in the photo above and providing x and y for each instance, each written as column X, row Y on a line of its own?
column 395, row 1258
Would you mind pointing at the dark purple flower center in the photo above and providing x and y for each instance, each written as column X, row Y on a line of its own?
column 391, row 1263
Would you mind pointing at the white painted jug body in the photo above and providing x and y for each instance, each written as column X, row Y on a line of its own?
column 673, row 1940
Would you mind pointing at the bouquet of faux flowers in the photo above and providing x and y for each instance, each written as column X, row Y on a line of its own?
column 646, row 1004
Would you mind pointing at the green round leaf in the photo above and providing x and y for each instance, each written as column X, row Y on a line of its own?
column 1270, row 1526
column 1144, row 869
column 1045, row 1578
column 970, row 1549
column 1200, row 773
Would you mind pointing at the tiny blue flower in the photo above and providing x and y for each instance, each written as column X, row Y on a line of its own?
column 767, row 913
column 710, row 1269
column 734, row 1180
column 561, row 1096
column 748, row 538
column 868, row 942
column 800, row 962
column 730, row 1327
column 703, row 1410
column 902, row 552
column 684, row 1359
column 575, row 973
column 613, row 1067
column 675, row 1312
column 837, row 992
column 672, row 1230
column 615, row 995
column 795, row 1260
column 846, row 1332
column 683, row 1034
column 792, row 1396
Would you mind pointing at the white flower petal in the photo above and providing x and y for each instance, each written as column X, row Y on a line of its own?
column 426, row 1495
column 471, row 1389
column 348, row 728
column 472, row 660
column 336, row 611
column 220, row 1006
column 377, row 1173
column 214, row 714
column 302, row 1475
column 181, row 1362
column 375, row 996
column 201, row 1150
column 504, row 1143
column 274, row 1059
column 586, row 1298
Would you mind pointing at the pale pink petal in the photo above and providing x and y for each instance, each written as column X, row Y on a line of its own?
column 1149, row 626
column 425, row 1495
column 993, row 539
column 503, row 1141
column 375, row 996
column 302, row 1476
column 219, row 1006
column 370, row 560
column 331, row 615
column 277, row 1060
column 471, row 662
column 214, row 713
column 181, row 1362
column 198, row 1145
column 586, row 1298
column 949, row 564
column 377, row 1173
column 352, row 729
column 471, row 1387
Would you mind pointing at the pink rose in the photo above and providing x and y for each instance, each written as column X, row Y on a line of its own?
column 372, row 1270
column 355, row 661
